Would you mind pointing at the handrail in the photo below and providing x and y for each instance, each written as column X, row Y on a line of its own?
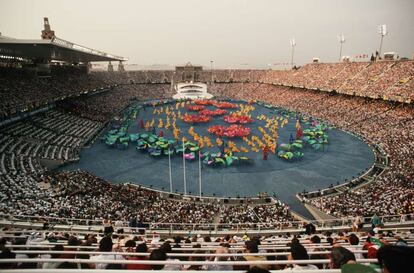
column 399, row 216
column 56, row 270
column 178, row 249
column 147, row 254
column 177, row 262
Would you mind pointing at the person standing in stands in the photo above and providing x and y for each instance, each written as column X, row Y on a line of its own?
column 357, row 224
column 310, row 228
column 108, row 228
column 376, row 222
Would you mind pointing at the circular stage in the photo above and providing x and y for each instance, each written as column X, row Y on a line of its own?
column 341, row 156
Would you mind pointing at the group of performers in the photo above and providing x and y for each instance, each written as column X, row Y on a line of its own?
column 265, row 143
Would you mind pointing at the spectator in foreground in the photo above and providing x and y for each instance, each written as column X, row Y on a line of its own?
column 256, row 269
column 220, row 250
column 354, row 241
column 50, row 265
column 166, row 247
column 7, row 254
column 141, row 248
column 341, row 256
column 105, row 245
column 158, row 255
column 298, row 252
column 252, row 247
column 315, row 239
column 396, row 259
column 357, row 268
column 197, row 267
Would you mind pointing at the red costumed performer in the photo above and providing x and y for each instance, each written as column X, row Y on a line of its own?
column 265, row 152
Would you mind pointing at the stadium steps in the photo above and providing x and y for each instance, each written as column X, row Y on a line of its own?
column 318, row 214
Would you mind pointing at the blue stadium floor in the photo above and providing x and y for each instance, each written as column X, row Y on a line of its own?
column 343, row 158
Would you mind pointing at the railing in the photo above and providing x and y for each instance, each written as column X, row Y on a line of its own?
column 176, row 255
column 177, row 262
column 46, row 248
column 150, row 271
column 392, row 222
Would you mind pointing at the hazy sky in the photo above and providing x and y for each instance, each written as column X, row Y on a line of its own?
column 233, row 33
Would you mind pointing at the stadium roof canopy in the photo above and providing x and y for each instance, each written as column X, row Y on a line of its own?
column 54, row 49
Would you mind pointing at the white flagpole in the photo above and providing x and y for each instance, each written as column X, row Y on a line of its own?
column 169, row 164
column 199, row 171
column 185, row 181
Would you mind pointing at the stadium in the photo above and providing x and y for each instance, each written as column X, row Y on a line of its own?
column 306, row 169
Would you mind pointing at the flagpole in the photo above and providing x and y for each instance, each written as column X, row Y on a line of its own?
column 185, row 181
column 199, row 171
column 169, row 164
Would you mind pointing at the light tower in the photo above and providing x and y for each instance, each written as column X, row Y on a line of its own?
column 341, row 39
column 292, row 44
column 382, row 30
column 47, row 32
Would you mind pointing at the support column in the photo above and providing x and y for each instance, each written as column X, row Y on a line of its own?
column 110, row 67
column 121, row 67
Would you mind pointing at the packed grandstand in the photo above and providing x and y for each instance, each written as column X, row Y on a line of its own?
column 53, row 219
column 372, row 99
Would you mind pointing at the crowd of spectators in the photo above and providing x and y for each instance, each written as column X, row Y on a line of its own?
column 391, row 252
column 22, row 93
column 390, row 80
column 272, row 216
column 390, row 125
column 52, row 134
column 59, row 135
column 81, row 195
column 102, row 107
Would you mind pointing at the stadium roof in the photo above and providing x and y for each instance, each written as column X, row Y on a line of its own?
column 54, row 49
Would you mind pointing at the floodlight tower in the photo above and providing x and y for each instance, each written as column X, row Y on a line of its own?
column 292, row 44
column 341, row 39
column 382, row 30
column 47, row 32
